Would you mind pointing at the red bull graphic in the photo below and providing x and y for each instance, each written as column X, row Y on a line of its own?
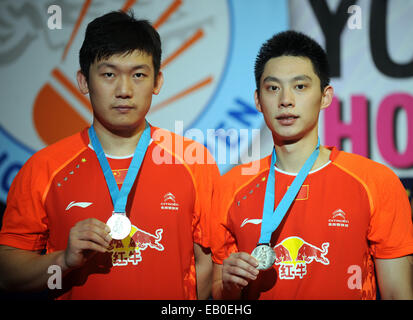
column 281, row 254
column 129, row 250
column 144, row 239
column 293, row 254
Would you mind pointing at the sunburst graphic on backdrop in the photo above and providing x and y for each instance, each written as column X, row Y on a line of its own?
column 55, row 117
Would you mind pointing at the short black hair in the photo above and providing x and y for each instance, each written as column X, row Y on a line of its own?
column 118, row 32
column 293, row 43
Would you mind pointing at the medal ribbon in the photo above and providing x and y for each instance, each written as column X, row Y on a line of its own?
column 272, row 219
column 120, row 197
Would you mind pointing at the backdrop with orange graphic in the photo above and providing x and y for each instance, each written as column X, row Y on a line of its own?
column 209, row 49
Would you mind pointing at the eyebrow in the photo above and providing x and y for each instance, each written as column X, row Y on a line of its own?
column 301, row 77
column 113, row 66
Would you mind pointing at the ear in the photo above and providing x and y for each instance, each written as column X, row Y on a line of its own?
column 257, row 101
column 158, row 84
column 327, row 98
column 82, row 82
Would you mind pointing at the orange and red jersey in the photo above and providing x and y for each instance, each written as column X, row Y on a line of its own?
column 346, row 213
column 169, row 208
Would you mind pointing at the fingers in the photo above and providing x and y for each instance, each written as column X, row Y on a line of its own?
column 239, row 269
column 91, row 234
column 86, row 238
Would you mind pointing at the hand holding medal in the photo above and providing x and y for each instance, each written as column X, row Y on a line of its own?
column 265, row 256
column 85, row 239
column 237, row 271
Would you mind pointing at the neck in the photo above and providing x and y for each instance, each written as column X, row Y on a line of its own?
column 119, row 143
column 291, row 156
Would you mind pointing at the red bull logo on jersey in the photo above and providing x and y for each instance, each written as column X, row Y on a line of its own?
column 293, row 254
column 129, row 250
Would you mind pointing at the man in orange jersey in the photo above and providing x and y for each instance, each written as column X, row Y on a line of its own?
column 341, row 221
column 112, row 219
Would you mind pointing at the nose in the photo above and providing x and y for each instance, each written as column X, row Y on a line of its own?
column 286, row 99
column 124, row 88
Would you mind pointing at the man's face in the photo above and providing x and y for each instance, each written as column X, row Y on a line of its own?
column 290, row 98
column 120, row 90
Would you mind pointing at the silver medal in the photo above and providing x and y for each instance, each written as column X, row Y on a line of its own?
column 120, row 226
column 265, row 256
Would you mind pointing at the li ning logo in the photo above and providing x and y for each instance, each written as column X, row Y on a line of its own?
column 169, row 202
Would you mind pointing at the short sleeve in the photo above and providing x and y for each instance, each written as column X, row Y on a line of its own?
column 204, row 174
column 390, row 232
column 25, row 221
column 223, row 242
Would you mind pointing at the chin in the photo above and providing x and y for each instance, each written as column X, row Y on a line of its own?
column 123, row 127
column 286, row 138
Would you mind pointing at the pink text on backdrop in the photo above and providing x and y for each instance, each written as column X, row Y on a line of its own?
column 357, row 128
column 385, row 129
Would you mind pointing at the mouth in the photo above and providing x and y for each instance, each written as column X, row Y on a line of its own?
column 287, row 119
column 123, row 108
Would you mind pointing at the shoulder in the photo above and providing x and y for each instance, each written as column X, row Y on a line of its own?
column 59, row 152
column 242, row 175
column 41, row 166
column 171, row 148
column 362, row 167
column 380, row 182
column 185, row 150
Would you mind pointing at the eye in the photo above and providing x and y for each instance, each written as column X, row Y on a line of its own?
column 108, row 74
column 300, row 86
column 139, row 75
column 273, row 88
